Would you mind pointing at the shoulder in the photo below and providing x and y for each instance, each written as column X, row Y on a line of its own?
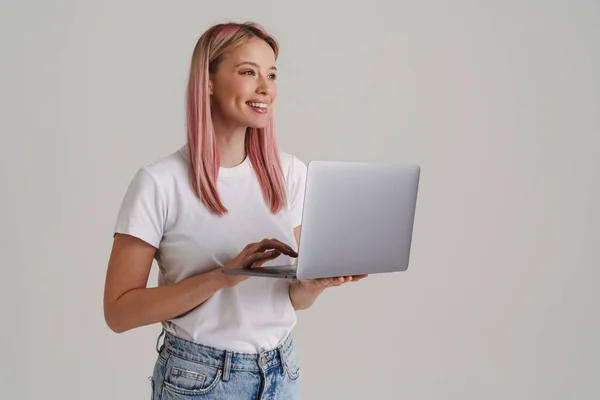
column 148, row 199
column 168, row 168
column 294, row 172
column 293, row 167
column 158, row 179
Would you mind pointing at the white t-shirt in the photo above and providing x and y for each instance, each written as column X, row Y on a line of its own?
column 161, row 208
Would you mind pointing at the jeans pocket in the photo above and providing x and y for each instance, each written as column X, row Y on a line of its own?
column 190, row 378
column 157, row 377
column 292, row 366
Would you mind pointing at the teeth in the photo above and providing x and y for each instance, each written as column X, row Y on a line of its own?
column 257, row 105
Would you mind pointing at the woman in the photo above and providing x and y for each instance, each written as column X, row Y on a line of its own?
column 227, row 199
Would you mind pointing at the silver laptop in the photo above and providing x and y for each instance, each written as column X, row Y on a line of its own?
column 357, row 219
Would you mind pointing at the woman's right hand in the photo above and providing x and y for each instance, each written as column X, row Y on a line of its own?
column 254, row 255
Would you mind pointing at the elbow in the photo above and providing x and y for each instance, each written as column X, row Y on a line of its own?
column 115, row 327
column 113, row 321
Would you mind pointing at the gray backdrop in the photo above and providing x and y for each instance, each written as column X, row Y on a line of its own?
column 498, row 101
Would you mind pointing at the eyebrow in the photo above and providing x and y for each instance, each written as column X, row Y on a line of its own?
column 254, row 65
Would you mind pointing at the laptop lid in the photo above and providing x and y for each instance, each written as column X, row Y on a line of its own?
column 357, row 219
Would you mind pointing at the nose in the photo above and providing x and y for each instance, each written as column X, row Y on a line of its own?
column 264, row 87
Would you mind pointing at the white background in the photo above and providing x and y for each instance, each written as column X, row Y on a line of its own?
column 498, row 101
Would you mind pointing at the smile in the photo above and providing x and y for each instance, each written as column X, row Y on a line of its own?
column 257, row 105
column 260, row 108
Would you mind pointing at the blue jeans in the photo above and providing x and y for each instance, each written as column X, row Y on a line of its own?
column 186, row 370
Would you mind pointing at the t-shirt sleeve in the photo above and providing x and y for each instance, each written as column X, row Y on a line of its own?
column 297, row 186
column 143, row 209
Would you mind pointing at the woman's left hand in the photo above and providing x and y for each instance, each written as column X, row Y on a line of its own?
column 323, row 283
column 303, row 293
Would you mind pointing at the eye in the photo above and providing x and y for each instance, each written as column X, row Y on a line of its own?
column 273, row 76
column 249, row 72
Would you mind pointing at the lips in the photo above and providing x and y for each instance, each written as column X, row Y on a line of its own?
column 258, row 106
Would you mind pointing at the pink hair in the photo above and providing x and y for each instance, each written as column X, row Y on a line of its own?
column 261, row 144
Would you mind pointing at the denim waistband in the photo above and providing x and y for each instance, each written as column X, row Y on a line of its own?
column 229, row 360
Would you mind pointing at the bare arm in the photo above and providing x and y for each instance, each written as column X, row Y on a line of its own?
column 302, row 296
column 129, row 304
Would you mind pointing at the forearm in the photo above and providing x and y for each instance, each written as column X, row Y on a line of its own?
column 145, row 306
column 301, row 297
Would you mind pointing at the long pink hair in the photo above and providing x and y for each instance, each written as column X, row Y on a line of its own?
column 261, row 144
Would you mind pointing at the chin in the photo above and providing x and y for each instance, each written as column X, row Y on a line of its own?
column 263, row 123
column 258, row 126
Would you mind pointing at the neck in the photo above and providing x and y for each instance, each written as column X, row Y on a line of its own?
column 231, row 142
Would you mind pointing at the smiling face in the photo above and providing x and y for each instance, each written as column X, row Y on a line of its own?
column 243, row 86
